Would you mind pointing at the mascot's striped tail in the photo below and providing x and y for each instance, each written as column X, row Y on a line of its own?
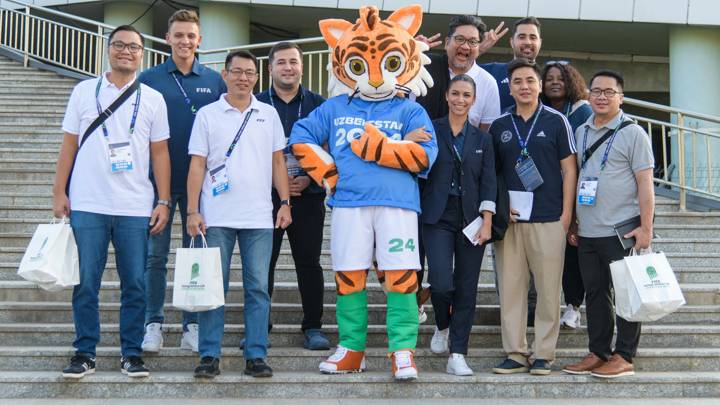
column 318, row 164
column 373, row 146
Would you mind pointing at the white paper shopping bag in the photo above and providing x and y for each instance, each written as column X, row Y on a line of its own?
column 198, row 283
column 645, row 287
column 51, row 258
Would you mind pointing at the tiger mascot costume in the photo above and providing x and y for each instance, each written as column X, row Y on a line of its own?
column 371, row 173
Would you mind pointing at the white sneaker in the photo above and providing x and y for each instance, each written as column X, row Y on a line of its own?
column 439, row 342
column 153, row 340
column 403, row 366
column 190, row 338
column 456, row 365
column 571, row 317
column 422, row 316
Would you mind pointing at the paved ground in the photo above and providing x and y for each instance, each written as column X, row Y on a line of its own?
column 500, row 401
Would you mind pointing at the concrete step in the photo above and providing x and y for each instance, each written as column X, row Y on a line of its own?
column 31, row 358
column 372, row 384
column 487, row 336
column 46, row 173
column 689, row 316
column 28, row 153
column 687, row 218
column 52, row 120
column 286, row 292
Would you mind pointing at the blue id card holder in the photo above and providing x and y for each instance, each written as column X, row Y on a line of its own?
column 529, row 174
column 219, row 180
column 587, row 192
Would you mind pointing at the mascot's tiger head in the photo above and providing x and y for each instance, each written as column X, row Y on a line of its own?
column 377, row 58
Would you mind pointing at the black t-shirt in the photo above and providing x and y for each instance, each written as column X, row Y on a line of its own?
column 551, row 141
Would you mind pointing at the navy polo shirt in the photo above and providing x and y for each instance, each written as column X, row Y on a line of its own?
column 499, row 72
column 304, row 102
column 551, row 141
column 202, row 86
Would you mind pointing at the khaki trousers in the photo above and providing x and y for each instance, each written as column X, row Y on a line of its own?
column 538, row 248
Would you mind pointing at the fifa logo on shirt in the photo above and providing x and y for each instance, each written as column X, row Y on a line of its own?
column 195, row 271
column 506, row 136
column 204, row 90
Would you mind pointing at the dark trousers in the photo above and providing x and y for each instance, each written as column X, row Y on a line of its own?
column 572, row 283
column 595, row 256
column 453, row 291
column 305, row 235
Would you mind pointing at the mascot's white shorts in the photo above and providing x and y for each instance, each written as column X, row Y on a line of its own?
column 358, row 232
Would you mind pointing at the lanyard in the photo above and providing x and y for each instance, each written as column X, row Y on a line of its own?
column 524, row 143
column 189, row 103
column 239, row 133
column 272, row 102
column 607, row 148
column 100, row 109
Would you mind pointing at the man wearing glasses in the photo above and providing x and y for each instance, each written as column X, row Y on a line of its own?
column 111, row 196
column 186, row 86
column 463, row 44
column 237, row 154
column 615, row 183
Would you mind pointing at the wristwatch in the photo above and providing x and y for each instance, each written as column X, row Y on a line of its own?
column 164, row 202
column 285, row 202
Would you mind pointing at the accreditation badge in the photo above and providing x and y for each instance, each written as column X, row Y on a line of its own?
column 293, row 166
column 529, row 174
column 120, row 156
column 587, row 192
column 219, row 180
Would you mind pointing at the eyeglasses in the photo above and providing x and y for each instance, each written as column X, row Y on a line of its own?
column 120, row 46
column 472, row 42
column 557, row 62
column 239, row 72
column 609, row 93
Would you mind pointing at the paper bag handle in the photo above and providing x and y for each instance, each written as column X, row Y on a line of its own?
column 204, row 242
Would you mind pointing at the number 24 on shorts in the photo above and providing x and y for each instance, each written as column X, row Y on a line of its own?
column 398, row 245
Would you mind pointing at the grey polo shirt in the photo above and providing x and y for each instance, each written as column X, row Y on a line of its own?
column 617, row 190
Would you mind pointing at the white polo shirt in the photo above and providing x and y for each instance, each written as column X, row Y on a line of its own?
column 487, row 99
column 94, row 188
column 247, row 204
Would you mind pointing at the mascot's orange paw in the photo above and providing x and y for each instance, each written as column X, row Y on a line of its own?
column 373, row 146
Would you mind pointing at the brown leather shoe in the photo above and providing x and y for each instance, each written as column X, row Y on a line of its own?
column 615, row 367
column 586, row 365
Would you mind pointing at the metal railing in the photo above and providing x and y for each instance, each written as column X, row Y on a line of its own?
column 689, row 144
column 689, row 141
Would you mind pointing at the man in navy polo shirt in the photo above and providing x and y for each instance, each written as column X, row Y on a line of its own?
column 525, row 43
column 535, row 154
column 186, row 86
column 292, row 102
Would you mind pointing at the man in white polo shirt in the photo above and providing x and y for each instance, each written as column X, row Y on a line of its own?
column 111, row 196
column 237, row 148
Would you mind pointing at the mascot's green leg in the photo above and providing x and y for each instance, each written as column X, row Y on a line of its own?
column 402, row 321
column 352, row 319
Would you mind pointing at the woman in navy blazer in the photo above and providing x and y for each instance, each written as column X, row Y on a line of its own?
column 460, row 187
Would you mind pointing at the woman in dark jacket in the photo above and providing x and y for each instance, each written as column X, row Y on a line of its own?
column 460, row 188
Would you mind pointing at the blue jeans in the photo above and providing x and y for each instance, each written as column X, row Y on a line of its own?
column 129, row 235
column 156, row 270
column 255, row 249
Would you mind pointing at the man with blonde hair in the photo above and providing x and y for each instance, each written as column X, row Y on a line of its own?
column 186, row 86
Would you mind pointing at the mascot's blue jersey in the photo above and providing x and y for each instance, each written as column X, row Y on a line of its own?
column 360, row 183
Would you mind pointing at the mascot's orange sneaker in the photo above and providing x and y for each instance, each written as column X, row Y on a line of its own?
column 344, row 361
column 403, row 365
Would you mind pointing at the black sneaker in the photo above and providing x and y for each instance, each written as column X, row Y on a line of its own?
column 133, row 366
column 540, row 367
column 79, row 366
column 257, row 368
column 209, row 368
column 510, row 366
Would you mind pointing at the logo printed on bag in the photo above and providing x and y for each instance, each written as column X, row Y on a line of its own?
column 195, row 272
column 651, row 272
column 39, row 254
